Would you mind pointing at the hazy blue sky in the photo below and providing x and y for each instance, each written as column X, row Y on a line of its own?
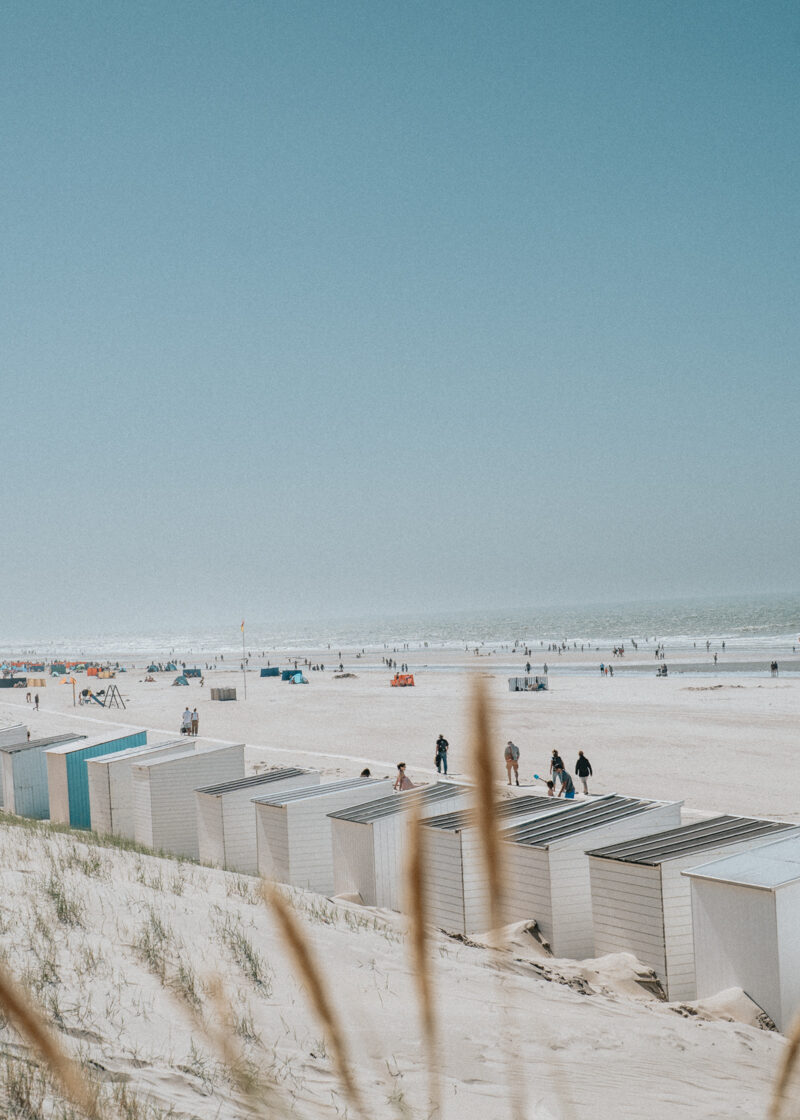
column 347, row 306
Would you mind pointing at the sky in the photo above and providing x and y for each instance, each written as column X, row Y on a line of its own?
column 314, row 308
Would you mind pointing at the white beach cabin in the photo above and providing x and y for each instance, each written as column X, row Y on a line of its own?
column 293, row 830
column 641, row 903
column 164, row 813
column 24, row 766
column 456, row 887
column 548, row 870
column 746, row 915
column 9, row 735
column 68, row 777
column 226, row 815
column 111, row 785
column 369, row 841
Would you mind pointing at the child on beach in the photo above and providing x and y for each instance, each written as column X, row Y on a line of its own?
column 402, row 781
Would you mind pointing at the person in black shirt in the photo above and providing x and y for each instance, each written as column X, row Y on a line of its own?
column 583, row 769
column 441, row 754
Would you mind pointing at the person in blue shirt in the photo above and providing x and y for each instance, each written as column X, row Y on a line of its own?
column 567, row 786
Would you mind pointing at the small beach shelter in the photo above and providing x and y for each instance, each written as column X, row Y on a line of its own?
column 68, row 778
column 273, row 671
column 153, row 669
column 164, row 813
column 456, row 883
column 170, row 667
column 641, row 903
column 111, row 786
column 370, row 841
column 9, row 735
column 293, row 830
column 226, row 816
column 746, row 916
column 24, row 768
column 298, row 678
column 180, row 680
column 548, row 869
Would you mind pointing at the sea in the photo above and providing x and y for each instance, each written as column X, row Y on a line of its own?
column 750, row 627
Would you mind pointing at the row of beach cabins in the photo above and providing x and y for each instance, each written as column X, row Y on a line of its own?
column 707, row 905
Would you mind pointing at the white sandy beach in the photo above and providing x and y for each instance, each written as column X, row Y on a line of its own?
column 587, row 1036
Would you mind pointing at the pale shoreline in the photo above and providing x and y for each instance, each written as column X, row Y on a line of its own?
column 588, row 1030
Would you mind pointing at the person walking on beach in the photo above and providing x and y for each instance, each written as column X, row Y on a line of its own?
column 567, row 786
column 195, row 722
column 186, row 722
column 555, row 761
column 402, row 781
column 583, row 770
column 441, row 754
column 36, row 701
column 511, row 755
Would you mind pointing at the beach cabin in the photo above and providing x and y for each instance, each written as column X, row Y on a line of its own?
column 746, row 916
column 370, row 841
column 223, row 693
column 24, row 770
column 641, row 903
column 456, row 884
column 9, row 735
column 111, row 786
column 226, row 816
column 547, row 866
column 68, row 778
column 293, row 830
column 164, row 813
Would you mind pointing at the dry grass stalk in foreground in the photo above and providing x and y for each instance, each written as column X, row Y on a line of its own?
column 310, row 974
column 483, row 773
column 416, row 905
column 16, row 1005
column 789, row 1060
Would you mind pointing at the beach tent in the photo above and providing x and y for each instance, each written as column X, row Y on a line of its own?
column 170, row 667
column 226, row 816
column 293, row 830
column 456, row 881
column 746, row 914
column 68, row 778
column 164, row 812
column 298, row 678
column 641, row 903
column 24, row 771
column 271, row 672
column 111, row 786
column 370, row 841
column 9, row 735
column 153, row 669
column 180, row 680
column 548, row 870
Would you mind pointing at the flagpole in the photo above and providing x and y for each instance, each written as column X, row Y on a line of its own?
column 244, row 665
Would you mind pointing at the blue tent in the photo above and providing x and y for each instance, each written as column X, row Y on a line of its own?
column 181, row 680
column 153, row 669
column 298, row 678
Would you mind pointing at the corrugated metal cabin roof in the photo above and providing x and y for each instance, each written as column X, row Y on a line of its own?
column 397, row 803
column 511, row 807
column 766, row 868
column 97, row 741
column 253, row 780
column 674, row 843
column 541, row 834
column 133, row 752
column 49, row 740
column 315, row 791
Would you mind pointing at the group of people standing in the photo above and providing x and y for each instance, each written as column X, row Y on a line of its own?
column 190, row 722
